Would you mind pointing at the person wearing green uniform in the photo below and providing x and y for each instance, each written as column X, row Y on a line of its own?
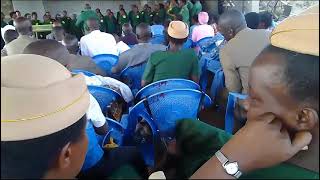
column 173, row 10
column 84, row 16
column 190, row 6
column 197, row 8
column 135, row 17
column 66, row 21
column 3, row 23
column 118, row 13
column 184, row 12
column 175, row 62
column 143, row 12
column 159, row 13
column 34, row 19
column 122, row 19
column 74, row 29
column 111, row 23
column 103, row 23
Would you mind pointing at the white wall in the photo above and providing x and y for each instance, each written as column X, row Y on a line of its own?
column 28, row 6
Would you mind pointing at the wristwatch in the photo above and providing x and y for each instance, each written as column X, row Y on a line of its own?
column 231, row 168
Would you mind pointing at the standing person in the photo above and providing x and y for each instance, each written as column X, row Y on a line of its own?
column 147, row 15
column 103, row 23
column 173, row 9
column 190, row 6
column 159, row 12
column 13, row 16
column 135, row 17
column 96, row 42
column 175, row 62
column 122, row 19
column 66, row 21
column 111, row 23
column 3, row 23
column 60, row 145
column 24, row 28
column 18, row 13
column 197, row 8
column 34, row 19
column 119, row 13
column 128, row 36
column 184, row 12
column 74, row 29
column 28, row 16
column 139, row 53
column 203, row 30
column 84, row 16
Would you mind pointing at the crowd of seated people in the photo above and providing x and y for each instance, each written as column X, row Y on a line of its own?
column 53, row 124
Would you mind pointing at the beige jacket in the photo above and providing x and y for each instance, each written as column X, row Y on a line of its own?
column 17, row 46
column 238, row 54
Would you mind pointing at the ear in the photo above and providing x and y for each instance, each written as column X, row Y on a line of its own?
column 307, row 119
column 64, row 159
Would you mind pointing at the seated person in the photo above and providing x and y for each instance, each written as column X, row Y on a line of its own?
column 56, row 150
column 252, row 20
column 157, row 28
column 141, row 52
column 58, row 34
column 55, row 24
column 265, row 21
column 175, row 62
column 128, row 36
column 203, row 30
column 71, row 43
column 55, row 50
column 277, row 85
column 9, row 36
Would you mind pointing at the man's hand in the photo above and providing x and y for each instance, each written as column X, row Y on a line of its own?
column 263, row 143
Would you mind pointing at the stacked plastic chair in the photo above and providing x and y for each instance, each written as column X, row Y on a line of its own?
column 105, row 96
column 106, row 61
column 132, row 77
column 163, row 85
column 87, row 73
column 229, row 117
column 162, row 111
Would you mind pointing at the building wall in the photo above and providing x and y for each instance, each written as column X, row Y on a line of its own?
column 29, row 6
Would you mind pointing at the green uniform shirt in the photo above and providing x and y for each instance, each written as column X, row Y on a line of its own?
column 66, row 23
column 147, row 17
column 3, row 24
column 135, row 19
column 36, row 22
column 189, row 5
column 118, row 15
column 103, row 24
column 111, row 24
column 123, row 19
column 185, row 14
column 166, row 64
column 75, row 30
column 173, row 11
column 84, row 16
column 196, row 9
column 199, row 141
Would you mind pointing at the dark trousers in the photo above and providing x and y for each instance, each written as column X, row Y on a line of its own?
column 114, row 159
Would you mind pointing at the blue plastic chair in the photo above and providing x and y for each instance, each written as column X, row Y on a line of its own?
column 106, row 61
column 87, row 73
column 188, row 44
column 104, row 96
column 116, row 131
column 229, row 117
column 167, row 84
column 217, row 83
column 162, row 111
column 157, row 39
column 132, row 77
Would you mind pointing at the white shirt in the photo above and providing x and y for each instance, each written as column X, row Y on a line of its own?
column 98, row 42
column 94, row 113
column 122, row 47
column 124, row 90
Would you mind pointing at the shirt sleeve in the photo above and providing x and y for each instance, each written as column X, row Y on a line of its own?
column 231, row 75
column 194, row 34
column 122, row 63
column 83, row 48
column 149, row 71
column 94, row 113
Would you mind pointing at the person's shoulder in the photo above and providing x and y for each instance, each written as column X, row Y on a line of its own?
column 159, row 47
column 158, row 55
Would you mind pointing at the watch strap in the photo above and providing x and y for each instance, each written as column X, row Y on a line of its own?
column 223, row 159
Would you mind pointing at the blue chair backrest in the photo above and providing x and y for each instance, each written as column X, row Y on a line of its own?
column 106, row 61
column 87, row 73
column 104, row 96
column 167, row 84
column 169, row 106
column 115, row 130
column 132, row 77
column 188, row 44
column 217, row 83
column 229, row 117
column 157, row 39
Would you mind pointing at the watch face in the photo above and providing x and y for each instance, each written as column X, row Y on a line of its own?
column 231, row 168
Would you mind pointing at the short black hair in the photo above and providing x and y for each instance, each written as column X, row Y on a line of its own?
column 10, row 35
column 195, row 18
column 301, row 75
column 12, row 13
column 32, row 158
column 23, row 26
column 71, row 43
column 34, row 13
column 58, row 33
column 178, row 17
column 266, row 18
column 177, row 41
column 252, row 19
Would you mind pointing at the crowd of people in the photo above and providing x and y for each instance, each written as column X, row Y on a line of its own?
column 50, row 122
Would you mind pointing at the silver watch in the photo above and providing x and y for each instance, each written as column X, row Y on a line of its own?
column 231, row 168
